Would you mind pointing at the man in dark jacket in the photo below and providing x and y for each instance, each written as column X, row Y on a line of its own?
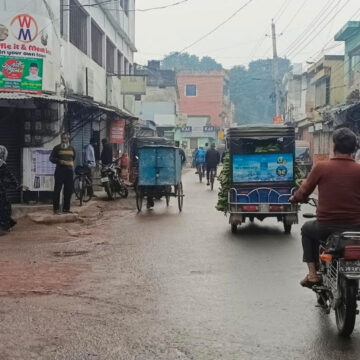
column 212, row 160
column 63, row 155
column 107, row 153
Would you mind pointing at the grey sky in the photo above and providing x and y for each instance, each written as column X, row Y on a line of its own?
column 243, row 38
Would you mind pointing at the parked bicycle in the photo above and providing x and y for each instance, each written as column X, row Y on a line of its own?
column 82, row 184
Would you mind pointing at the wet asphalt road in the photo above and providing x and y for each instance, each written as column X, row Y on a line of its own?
column 164, row 285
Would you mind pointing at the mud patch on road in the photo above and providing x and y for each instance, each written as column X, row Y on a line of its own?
column 19, row 279
column 70, row 253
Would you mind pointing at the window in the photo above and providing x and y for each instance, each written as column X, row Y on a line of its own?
column 78, row 26
column 191, row 90
column 110, row 57
column 119, row 63
column 96, row 44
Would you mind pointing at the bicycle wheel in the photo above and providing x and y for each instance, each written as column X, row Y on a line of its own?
column 180, row 196
column 76, row 186
column 87, row 190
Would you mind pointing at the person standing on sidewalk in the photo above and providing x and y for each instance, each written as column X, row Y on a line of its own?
column 90, row 162
column 63, row 155
column 6, row 179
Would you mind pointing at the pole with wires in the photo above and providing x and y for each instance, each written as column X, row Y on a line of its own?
column 275, row 69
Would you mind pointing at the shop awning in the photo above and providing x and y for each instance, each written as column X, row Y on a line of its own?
column 89, row 103
column 28, row 96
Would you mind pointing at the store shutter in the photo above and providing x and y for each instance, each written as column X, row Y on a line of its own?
column 10, row 137
column 80, row 137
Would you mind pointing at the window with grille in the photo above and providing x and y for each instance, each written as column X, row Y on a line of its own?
column 119, row 63
column 96, row 44
column 110, row 57
column 78, row 26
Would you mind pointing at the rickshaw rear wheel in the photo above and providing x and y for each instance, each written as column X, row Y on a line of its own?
column 180, row 196
column 139, row 200
column 234, row 228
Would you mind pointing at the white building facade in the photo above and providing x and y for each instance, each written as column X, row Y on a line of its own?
column 61, row 63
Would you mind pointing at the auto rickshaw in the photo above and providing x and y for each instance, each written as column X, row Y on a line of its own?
column 262, row 174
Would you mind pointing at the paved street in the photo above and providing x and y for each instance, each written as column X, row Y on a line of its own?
column 160, row 285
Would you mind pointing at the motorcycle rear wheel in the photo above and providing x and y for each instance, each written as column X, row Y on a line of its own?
column 109, row 191
column 345, row 312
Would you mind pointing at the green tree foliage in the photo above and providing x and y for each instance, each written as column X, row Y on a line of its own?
column 224, row 178
column 184, row 61
column 252, row 90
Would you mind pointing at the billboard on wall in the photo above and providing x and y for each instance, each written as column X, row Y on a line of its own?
column 21, row 74
column 117, row 132
column 26, row 40
column 133, row 85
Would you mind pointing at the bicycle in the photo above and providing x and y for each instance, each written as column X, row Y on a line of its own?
column 82, row 184
column 212, row 178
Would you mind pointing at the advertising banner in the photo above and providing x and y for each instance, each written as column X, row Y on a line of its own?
column 263, row 168
column 117, row 132
column 21, row 74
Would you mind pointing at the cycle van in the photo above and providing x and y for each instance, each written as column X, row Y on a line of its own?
column 262, row 174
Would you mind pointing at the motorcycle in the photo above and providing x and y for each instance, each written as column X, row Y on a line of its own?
column 339, row 269
column 112, row 182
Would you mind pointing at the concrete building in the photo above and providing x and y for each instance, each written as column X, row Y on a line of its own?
column 160, row 104
column 60, row 67
column 350, row 35
column 204, row 98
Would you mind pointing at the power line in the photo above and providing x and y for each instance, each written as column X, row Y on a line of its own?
column 282, row 10
column 296, row 14
column 218, row 26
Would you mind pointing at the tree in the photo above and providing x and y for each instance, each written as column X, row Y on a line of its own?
column 252, row 90
column 184, row 61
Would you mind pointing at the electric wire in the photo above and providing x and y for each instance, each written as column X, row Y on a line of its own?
column 218, row 26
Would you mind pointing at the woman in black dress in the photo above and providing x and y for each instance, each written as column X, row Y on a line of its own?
column 6, row 179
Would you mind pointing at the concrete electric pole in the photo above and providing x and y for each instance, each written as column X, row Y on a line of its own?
column 275, row 69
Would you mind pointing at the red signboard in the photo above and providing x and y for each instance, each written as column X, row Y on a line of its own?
column 278, row 120
column 117, row 132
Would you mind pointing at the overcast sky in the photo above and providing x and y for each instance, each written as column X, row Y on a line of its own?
column 243, row 38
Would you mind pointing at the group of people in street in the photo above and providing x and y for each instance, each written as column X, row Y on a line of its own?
column 206, row 160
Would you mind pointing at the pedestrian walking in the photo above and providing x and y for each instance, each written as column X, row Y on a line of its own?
column 6, row 179
column 107, row 153
column 90, row 162
column 63, row 155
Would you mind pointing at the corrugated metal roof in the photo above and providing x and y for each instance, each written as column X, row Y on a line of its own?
column 25, row 96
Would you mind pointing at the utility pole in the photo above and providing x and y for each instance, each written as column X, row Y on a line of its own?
column 275, row 68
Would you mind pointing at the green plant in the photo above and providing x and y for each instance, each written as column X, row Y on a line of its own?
column 224, row 178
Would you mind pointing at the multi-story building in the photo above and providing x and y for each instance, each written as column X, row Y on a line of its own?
column 61, row 64
column 204, row 98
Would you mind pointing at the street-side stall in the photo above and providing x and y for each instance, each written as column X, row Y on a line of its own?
column 262, row 174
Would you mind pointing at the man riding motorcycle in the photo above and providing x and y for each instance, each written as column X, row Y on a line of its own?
column 338, row 182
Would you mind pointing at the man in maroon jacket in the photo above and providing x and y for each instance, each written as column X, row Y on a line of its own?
column 338, row 182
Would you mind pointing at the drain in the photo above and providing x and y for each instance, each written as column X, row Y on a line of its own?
column 70, row 253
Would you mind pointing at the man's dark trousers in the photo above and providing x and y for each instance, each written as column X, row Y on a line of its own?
column 63, row 177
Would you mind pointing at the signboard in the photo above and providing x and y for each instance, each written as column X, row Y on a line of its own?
column 21, row 74
column 221, row 135
column 38, row 170
column 133, row 85
column 186, row 129
column 25, row 35
column 209, row 128
column 117, row 131
column 278, row 120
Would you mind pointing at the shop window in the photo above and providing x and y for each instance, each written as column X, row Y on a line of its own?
column 78, row 26
column 191, row 90
column 110, row 57
column 96, row 44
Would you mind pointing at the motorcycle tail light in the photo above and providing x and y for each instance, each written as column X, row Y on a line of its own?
column 250, row 208
column 277, row 208
column 352, row 252
column 326, row 257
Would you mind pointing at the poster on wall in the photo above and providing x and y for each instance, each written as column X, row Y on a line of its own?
column 117, row 132
column 38, row 172
column 21, row 74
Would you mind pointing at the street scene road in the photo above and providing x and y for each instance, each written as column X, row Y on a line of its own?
column 160, row 285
